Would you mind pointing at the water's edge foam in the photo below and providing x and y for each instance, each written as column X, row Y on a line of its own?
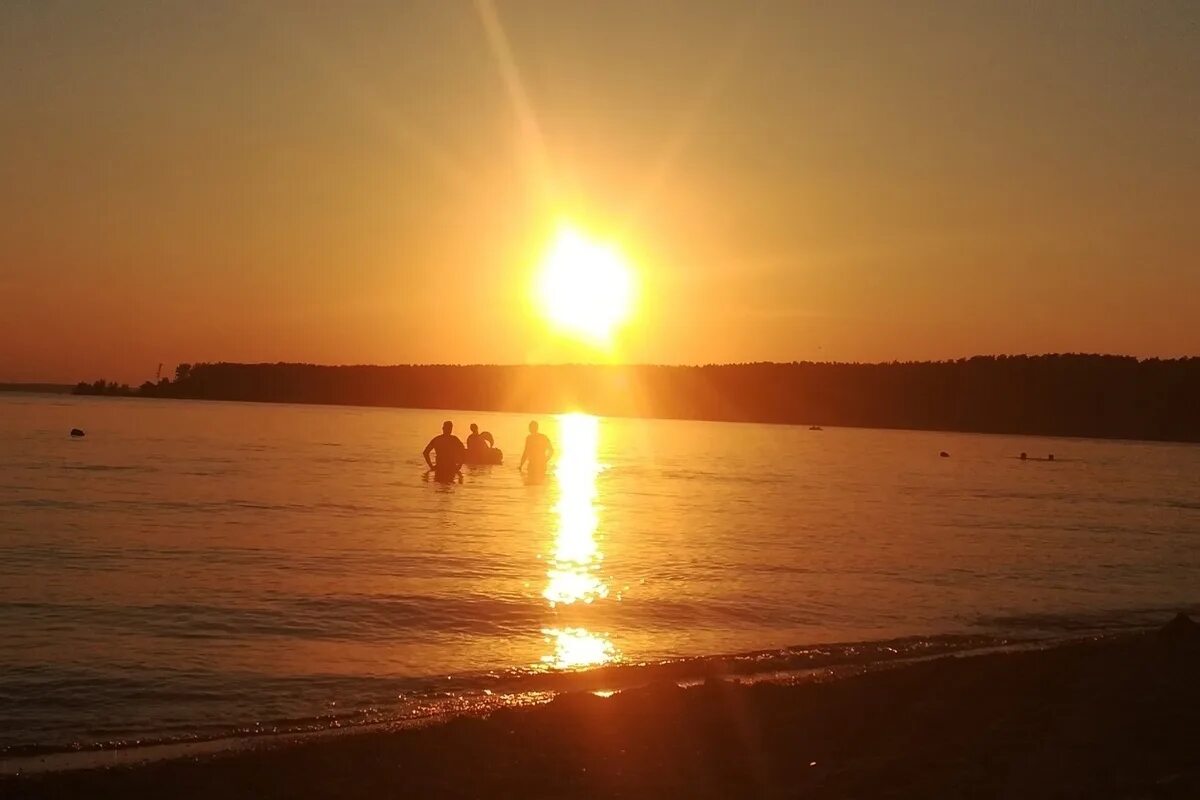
column 788, row 665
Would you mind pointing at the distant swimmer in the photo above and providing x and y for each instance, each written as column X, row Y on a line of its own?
column 450, row 452
column 1050, row 457
column 538, row 451
column 1024, row 455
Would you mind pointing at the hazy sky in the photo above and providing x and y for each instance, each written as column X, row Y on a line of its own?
column 361, row 182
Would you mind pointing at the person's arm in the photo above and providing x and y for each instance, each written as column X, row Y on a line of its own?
column 524, row 456
column 425, row 453
column 549, row 450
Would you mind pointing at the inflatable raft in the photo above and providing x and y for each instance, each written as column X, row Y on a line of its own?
column 483, row 456
column 490, row 456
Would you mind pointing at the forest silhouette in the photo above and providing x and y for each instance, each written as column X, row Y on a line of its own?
column 1062, row 394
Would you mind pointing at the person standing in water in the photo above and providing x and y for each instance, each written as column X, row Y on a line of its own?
column 538, row 451
column 475, row 442
column 449, row 451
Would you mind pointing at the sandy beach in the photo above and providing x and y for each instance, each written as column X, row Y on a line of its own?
column 1112, row 717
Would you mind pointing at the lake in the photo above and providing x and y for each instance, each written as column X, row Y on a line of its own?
column 201, row 569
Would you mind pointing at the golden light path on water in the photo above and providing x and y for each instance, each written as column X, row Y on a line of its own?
column 573, row 576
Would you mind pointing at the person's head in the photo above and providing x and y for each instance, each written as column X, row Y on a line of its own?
column 474, row 428
column 533, row 427
column 447, row 426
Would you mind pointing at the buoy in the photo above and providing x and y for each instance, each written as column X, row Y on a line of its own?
column 944, row 454
column 76, row 432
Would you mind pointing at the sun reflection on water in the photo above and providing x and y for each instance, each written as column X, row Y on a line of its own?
column 575, row 648
column 573, row 575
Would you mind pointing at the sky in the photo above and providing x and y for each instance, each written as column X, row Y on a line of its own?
column 374, row 182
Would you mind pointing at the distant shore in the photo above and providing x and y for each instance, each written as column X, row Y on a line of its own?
column 1113, row 717
column 1092, row 396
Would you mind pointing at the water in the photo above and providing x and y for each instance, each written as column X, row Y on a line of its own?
column 194, row 569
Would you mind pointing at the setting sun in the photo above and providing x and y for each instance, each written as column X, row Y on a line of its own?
column 585, row 287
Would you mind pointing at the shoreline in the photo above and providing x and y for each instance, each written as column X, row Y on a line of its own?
column 1050, row 394
column 824, row 661
column 1114, row 716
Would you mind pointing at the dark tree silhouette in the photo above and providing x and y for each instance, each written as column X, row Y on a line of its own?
column 1067, row 395
column 102, row 387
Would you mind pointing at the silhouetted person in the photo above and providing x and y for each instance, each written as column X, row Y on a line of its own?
column 481, row 449
column 475, row 442
column 449, row 450
column 538, row 451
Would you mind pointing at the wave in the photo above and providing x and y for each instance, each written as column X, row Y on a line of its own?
column 1127, row 619
column 380, row 701
column 109, row 468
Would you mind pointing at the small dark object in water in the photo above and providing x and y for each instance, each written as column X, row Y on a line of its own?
column 1024, row 455
column 815, row 428
column 1050, row 457
column 488, row 457
column 943, row 454
column 76, row 432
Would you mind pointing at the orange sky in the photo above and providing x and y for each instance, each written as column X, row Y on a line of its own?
column 371, row 182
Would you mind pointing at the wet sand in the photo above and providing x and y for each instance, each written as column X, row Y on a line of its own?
column 1116, row 717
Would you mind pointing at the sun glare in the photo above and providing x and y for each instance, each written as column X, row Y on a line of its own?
column 585, row 287
column 575, row 648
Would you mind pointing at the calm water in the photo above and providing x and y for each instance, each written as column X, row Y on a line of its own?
column 194, row 569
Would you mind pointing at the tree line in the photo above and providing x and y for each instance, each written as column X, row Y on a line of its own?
column 1060, row 394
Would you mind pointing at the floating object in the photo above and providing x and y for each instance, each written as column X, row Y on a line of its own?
column 1024, row 456
column 490, row 456
column 484, row 456
column 1050, row 457
column 815, row 428
column 944, row 454
column 76, row 432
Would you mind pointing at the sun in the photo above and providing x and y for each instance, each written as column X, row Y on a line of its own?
column 585, row 287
